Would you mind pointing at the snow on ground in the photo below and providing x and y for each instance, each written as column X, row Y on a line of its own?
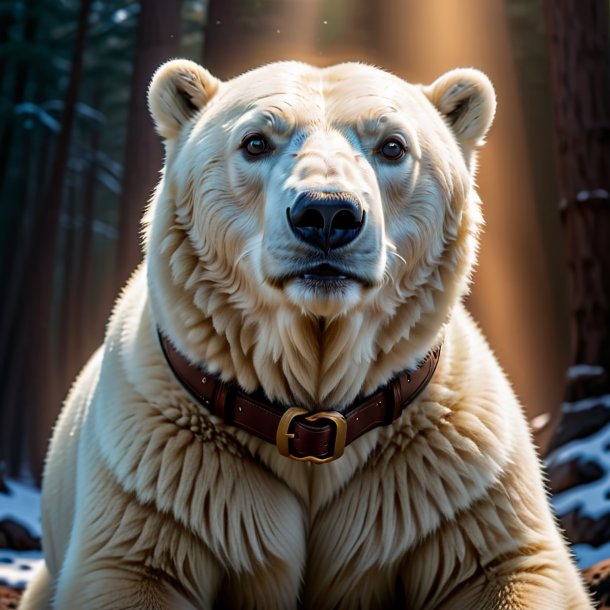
column 22, row 505
column 587, row 555
column 592, row 499
column 18, row 567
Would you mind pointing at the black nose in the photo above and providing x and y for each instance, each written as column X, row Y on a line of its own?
column 326, row 220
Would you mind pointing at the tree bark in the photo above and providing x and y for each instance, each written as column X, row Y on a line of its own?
column 579, row 35
column 157, row 41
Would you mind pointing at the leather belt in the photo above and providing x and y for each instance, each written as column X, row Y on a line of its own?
column 300, row 434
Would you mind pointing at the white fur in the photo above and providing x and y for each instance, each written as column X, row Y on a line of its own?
column 151, row 502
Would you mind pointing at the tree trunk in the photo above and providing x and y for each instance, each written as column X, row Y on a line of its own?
column 223, row 42
column 31, row 157
column 579, row 37
column 12, row 244
column 42, row 393
column 72, row 268
column 21, row 81
column 13, row 331
column 157, row 41
column 83, row 325
column 13, row 435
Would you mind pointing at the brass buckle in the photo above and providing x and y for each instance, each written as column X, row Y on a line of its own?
column 283, row 435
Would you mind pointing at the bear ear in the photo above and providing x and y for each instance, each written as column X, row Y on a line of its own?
column 466, row 99
column 179, row 89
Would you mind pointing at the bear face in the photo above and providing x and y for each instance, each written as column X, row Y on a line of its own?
column 335, row 204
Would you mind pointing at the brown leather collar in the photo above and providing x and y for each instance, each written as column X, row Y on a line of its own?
column 318, row 436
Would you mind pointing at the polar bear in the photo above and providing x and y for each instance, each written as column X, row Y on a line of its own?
column 292, row 408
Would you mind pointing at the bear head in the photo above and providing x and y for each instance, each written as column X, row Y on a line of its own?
column 313, row 227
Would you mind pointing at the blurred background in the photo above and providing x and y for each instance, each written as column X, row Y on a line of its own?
column 79, row 159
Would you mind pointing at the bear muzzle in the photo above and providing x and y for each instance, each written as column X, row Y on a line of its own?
column 326, row 220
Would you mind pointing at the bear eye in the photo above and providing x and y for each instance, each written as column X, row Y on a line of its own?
column 255, row 145
column 393, row 149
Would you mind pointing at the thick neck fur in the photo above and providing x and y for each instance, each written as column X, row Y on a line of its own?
column 215, row 315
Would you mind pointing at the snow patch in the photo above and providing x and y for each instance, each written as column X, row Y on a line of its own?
column 593, row 498
column 585, row 195
column 587, row 555
column 592, row 447
column 22, row 505
column 586, row 404
column 590, row 498
column 17, row 568
column 584, row 370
